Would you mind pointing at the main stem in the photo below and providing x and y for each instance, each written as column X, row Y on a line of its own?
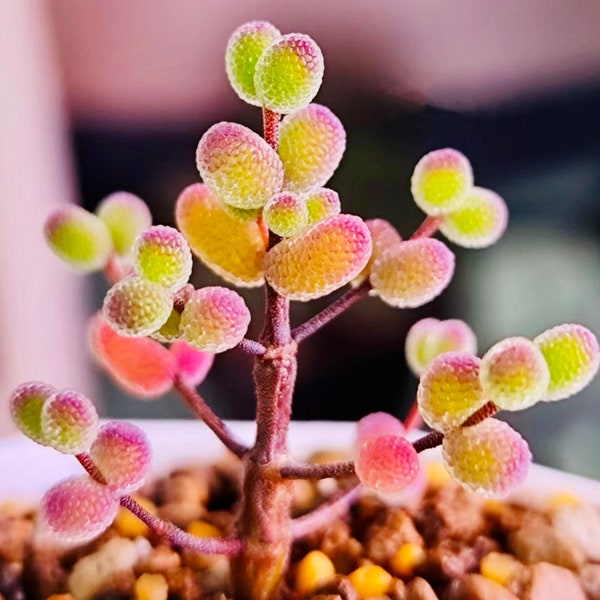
column 264, row 521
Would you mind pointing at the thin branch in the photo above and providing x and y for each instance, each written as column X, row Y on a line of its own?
column 271, row 127
column 431, row 440
column 413, row 418
column 252, row 347
column 201, row 409
column 487, row 410
column 329, row 313
column 180, row 538
column 428, row 227
column 317, row 471
column 337, row 506
column 165, row 529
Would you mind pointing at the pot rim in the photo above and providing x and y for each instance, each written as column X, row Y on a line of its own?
column 27, row 469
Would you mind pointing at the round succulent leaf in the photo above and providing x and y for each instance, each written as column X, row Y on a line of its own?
column 191, row 365
column 77, row 510
column 430, row 337
column 25, row 406
column 412, row 273
column 289, row 72
column 285, row 214
column 479, row 222
column 312, row 141
column 321, row 203
column 137, row 307
column 514, row 374
column 231, row 248
column 387, row 464
column 449, row 390
column 69, row 421
column 79, row 238
column 572, row 354
column 383, row 236
column 244, row 48
column 215, row 319
column 378, row 424
column 122, row 453
column 321, row 259
column 441, row 180
column 161, row 255
column 489, row 458
column 126, row 216
column 140, row 366
column 238, row 165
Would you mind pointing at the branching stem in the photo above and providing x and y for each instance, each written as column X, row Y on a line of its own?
column 200, row 408
column 252, row 347
column 428, row 227
column 329, row 313
column 324, row 514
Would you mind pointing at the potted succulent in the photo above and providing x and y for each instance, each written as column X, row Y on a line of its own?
column 262, row 217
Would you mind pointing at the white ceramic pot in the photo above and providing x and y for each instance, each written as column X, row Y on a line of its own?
column 27, row 469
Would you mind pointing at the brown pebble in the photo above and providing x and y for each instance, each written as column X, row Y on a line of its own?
column 590, row 580
column 344, row 550
column 340, row 587
column 161, row 559
column 14, row 536
column 550, row 581
column 537, row 541
column 476, row 587
column 419, row 589
column 391, row 530
column 184, row 585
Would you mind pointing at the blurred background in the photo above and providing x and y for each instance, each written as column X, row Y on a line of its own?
column 102, row 96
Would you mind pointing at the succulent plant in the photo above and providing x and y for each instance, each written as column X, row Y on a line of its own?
column 262, row 216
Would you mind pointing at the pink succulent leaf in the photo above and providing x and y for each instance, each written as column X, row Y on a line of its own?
column 137, row 307
column 321, row 259
column 77, row 510
column 441, row 180
column 489, row 458
column 449, row 391
column 514, row 374
column 572, row 354
column 285, row 214
column 430, row 337
column 122, row 453
column 378, row 424
column 479, row 222
column 69, row 421
column 126, row 216
column 244, row 48
column 387, row 464
column 25, row 406
column 141, row 366
column 205, row 224
column 288, row 73
column 412, row 272
column 312, row 141
column 79, row 238
column 322, row 203
column 238, row 165
column 190, row 364
column 214, row 319
column 162, row 256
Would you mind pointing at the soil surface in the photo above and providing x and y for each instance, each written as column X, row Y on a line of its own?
column 440, row 543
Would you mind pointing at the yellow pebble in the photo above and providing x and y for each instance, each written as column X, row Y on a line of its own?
column 406, row 559
column 128, row 525
column 151, row 587
column 494, row 507
column 370, row 580
column 499, row 567
column 314, row 570
column 436, row 474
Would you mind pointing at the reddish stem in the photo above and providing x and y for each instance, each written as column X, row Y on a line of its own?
column 413, row 418
column 329, row 313
column 487, row 410
column 317, row 471
column 201, row 409
column 252, row 347
column 431, row 440
column 271, row 127
column 337, row 506
column 428, row 227
column 114, row 270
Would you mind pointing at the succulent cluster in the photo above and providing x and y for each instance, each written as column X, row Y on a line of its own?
column 262, row 216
